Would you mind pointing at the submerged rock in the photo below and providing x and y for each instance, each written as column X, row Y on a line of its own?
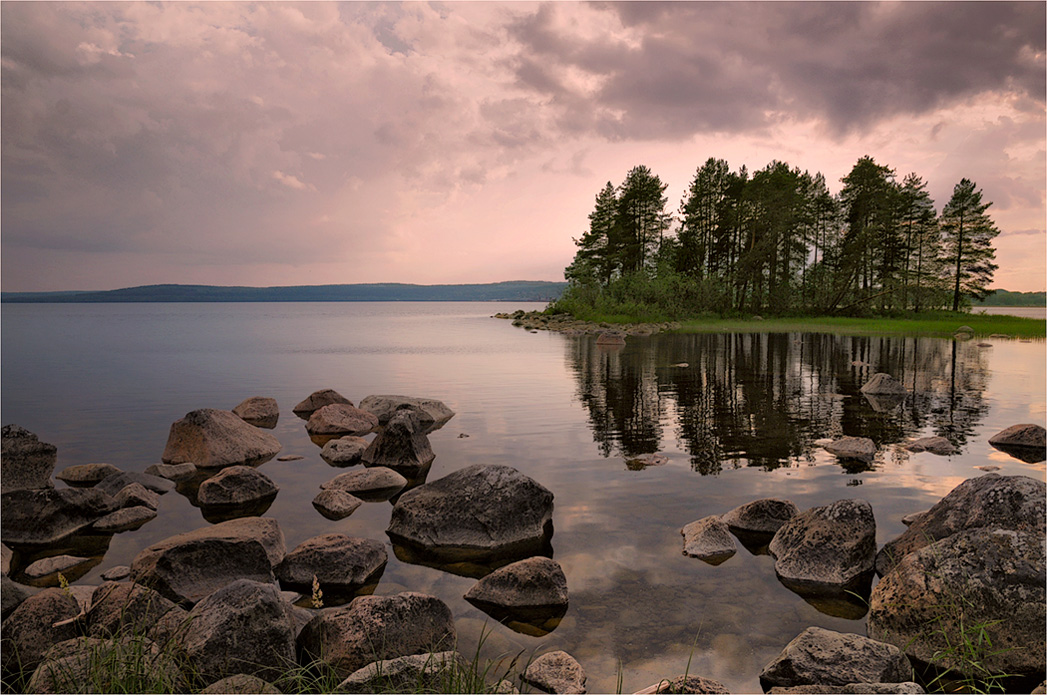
column 126, row 519
column 823, row 657
column 259, row 411
column 860, row 448
column 990, row 501
column 376, row 628
column 476, row 512
column 611, row 338
column 975, row 584
column 175, row 472
column 372, row 484
column 708, row 539
column 830, row 546
column 317, row 400
column 432, row 414
column 882, row 384
column 935, row 445
column 26, row 463
column 401, row 446
column 212, row 438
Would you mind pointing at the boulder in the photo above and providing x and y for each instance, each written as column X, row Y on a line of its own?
column 341, row 564
column 72, row 666
column 48, row 516
column 30, row 630
column 881, row 384
column 406, row 674
column 555, row 672
column 1026, row 442
column 317, row 400
column 175, row 472
column 690, row 684
column 12, row 594
column 126, row 519
column 432, row 414
column 935, row 445
column 708, row 539
column 477, row 512
column 26, row 463
column 115, row 483
column 830, row 546
column 823, row 657
column 975, row 585
column 860, row 448
column 236, row 487
column 50, row 566
column 212, row 438
column 402, row 446
column 116, row 607
column 136, row 495
column 376, row 484
column 536, row 582
column 86, row 474
column 241, row 683
column 346, row 451
column 341, row 419
column 336, row 504
column 990, row 501
column 377, row 628
column 243, row 628
column 760, row 516
column 258, row 411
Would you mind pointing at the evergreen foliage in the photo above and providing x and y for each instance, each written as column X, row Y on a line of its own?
column 778, row 242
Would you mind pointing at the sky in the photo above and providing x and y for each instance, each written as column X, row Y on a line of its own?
column 311, row 143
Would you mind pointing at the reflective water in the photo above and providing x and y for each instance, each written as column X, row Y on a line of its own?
column 733, row 418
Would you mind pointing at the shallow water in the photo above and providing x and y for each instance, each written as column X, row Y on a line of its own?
column 735, row 417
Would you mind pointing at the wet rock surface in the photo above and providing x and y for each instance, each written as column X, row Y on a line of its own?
column 259, row 411
column 431, row 413
column 824, row 657
column 935, row 445
column 708, row 539
column 212, row 438
column 341, row 419
column 830, row 546
column 859, row 448
column 401, row 446
column 373, row 484
column 336, row 504
column 346, row 451
column 317, row 400
column 761, row 516
column 341, row 564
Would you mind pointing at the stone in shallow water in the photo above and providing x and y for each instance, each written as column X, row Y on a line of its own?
column 53, row 565
column 761, row 516
column 86, row 474
column 934, row 445
column 529, row 596
column 432, row 414
column 341, row 419
column 829, row 546
column 48, row 516
column 402, row 446
column 708, row 539
column 176, row 472
column 556, row 672
column 115, row 483
column 126, row 519
column 213, row 438
column 237, row 486
column 339, row 563
column 317, row 400
column 882, row 384
column 345, row 451
column 824, row 657
column 336, row 504
column 259, row 411
column 860, row 448
column 1026, row 442
column 372, row 484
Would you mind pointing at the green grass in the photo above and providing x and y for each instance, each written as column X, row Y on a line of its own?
column 942, row 325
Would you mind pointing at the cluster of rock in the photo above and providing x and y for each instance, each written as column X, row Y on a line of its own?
column 535, row 321
column 973, row 562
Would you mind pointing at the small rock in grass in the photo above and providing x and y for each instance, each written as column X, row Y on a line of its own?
column 556, row 672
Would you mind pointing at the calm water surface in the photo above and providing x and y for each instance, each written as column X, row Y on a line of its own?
column 735, row 415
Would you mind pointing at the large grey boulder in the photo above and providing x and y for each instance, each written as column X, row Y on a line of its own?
column 830, row 546
column 934, row 445
column 376, row 628
column 555, row 672
column 189, row 566
column 1026, row 442
column 990, row 501
column 432, row 414
column 975, row 584
column 823, row 657
column 536, row 582
column 317, row 400
column 237, row 488
column 374, row 484
column 860, row 448
column 26, row 463
column 339, row 420
column 30, row 630
column 86, row 474
column 882, row 384
column 708, row 539
column 406, row 674
column 212, row 438
column 259, row 411
column 116, row 607
column 475, row 513
column 340, row 564
column 72, row 666
column 402, row 446
column 760, row 516
column 244, row 627
column 345, row 451
column 48, row 516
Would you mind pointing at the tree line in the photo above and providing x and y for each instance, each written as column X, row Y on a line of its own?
column 778, row 242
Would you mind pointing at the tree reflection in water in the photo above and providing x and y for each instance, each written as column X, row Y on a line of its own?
column 762, row 399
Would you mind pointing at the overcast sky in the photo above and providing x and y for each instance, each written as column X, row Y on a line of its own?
column 313, row 143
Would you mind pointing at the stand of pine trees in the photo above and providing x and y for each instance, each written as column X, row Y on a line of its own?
column 777, row 242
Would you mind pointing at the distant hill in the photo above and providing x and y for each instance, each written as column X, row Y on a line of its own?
column 1006, row 298
column 514, row 291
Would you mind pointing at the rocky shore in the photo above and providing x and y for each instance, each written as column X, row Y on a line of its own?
column 228, row 607
column 565, row 323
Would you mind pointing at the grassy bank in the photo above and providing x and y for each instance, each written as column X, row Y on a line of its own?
column 941, row 325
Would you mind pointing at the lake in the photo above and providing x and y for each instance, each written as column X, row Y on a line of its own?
column 735, row 415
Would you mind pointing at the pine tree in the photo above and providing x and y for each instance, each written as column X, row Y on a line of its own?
column 594, row 260
column 968, row 233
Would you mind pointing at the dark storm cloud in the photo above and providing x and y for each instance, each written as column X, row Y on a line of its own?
column 731, row 67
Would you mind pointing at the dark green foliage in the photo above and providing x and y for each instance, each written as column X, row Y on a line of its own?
column 1008, row 298
column 968, row 233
